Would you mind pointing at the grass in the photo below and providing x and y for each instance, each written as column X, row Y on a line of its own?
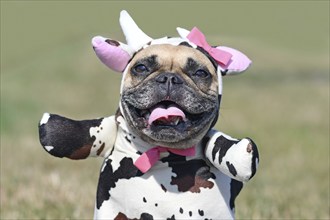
column 282, row 102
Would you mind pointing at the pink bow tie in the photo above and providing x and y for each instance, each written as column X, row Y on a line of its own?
column 151, row 156
column 197, row 37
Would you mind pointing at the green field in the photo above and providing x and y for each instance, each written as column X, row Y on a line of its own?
column 282, row 101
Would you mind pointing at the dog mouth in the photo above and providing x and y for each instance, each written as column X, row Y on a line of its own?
column 167, row 114
column 169, row 123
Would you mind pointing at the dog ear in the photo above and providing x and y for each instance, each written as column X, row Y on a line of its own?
column 113, row 54
column 238, row 62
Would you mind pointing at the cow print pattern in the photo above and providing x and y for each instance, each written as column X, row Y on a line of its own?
column 108, row 178
column 189, row 175
column 75, row 141
column 201, row 187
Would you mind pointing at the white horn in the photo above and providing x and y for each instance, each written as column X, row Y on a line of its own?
column 135, row 37
column 182, row 32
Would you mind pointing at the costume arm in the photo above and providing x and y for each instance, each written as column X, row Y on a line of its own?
column 235, row 158
column 63, row 137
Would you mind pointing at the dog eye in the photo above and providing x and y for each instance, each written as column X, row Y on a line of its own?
column 201, row 73
column 140, row 68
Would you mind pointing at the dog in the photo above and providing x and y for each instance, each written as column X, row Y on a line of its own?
column 162, row 157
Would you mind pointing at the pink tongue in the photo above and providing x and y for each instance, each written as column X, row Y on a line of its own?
column 158, row 113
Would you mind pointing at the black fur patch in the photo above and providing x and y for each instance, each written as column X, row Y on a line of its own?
column 108, row 178
column 254, row 157
column 222, row 145
column 231, row 168
column 190, row 175
column 67, row 136
column 235, row 188
column 146, row 216
column 143, row 216
column 172, row 218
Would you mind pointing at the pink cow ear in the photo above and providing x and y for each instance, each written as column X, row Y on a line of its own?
column 113, row 54
column 238, row 63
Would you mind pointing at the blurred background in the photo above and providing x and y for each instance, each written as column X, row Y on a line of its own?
column 282, row 101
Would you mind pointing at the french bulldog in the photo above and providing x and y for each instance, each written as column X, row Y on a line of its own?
column 162, row 157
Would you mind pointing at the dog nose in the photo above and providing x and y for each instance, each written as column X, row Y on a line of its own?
column 170, row 78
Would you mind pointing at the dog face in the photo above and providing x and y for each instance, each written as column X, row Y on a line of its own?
column 171, row 87
column 169, row 95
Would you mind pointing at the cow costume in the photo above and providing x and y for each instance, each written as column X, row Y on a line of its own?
column 139, row 180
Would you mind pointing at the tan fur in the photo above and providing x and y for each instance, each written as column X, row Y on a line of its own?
column 173, row 59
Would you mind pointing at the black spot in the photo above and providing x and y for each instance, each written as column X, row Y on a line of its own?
column 224, row 72
column 143, row 216
column 200, row 212
column 190, row 213
column 108, row 178
column 190, row 175
column 231, row 168
column 235, row 188
column 172, row 218
column 128, row 140
column 144, row 200
column 163, row 187
column 146, row 216
column 156, row 204
column 181, row 210
column 222, row 145
column 131, row 135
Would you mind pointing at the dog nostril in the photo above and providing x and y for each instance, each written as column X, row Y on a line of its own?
column 169, row 78
column 176, row 80
column 162, row 79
